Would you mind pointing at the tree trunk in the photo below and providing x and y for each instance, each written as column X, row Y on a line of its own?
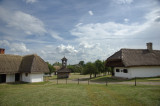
column 90, row 76
column 95, row 75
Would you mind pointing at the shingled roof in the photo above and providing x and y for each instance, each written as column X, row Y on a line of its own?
column 134, row 57
column 64, row 70
column 22, row 64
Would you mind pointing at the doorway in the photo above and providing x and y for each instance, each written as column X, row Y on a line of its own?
column 17, row 77
column 2, row 78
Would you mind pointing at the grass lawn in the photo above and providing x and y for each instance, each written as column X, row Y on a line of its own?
column 101, row 78
column 111, row 79
column 78, row 95
column 72, row 76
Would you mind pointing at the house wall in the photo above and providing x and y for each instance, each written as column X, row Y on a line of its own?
column 26, row 78
column 144, row 71
column 32, row 77
column 10, row 77
column 121, row 73
column 37, row 77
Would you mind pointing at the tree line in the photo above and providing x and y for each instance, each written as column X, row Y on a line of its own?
column 91, row 68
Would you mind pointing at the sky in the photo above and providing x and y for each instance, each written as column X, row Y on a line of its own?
column 80, row 30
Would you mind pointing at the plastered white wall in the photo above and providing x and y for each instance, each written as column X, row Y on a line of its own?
column 10, row 78
column 143, row 71
column 37, row 77
column 26, row 78
column 32, row 77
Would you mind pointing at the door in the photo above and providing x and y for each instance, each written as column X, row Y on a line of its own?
column 17, row 77
column 2, row 78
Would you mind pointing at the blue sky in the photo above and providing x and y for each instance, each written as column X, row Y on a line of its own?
column 79, row 29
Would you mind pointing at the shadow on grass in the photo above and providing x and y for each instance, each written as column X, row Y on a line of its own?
column 23, row 83
column 109, row 79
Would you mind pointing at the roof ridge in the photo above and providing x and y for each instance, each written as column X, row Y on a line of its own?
column 30, row 55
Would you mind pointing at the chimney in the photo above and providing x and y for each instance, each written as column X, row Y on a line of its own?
column 2, row 51
column 149, row 46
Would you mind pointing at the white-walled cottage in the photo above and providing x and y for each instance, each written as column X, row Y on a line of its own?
column 29, row 68
column 130, row 63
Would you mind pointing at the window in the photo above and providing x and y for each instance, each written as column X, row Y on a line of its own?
column 125, row 71
column 26, row 74
column 117, row 70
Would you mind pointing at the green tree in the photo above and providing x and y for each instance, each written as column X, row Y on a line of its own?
column 81, row 63
column 90, row 69
column 57, row 64
column 100, row 66
column 51, row 68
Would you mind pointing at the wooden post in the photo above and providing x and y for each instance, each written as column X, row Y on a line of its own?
column 135, row 81
column 66, row 80
column 57, row 80
column 78, row 81
column 106, row 81
column 88, row 81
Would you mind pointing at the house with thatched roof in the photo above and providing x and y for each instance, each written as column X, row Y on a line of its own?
column 130, row 63
column 63, row 72
column 29, row 68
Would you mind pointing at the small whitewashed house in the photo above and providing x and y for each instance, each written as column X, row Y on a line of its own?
column 130, row 63
column 29, row 68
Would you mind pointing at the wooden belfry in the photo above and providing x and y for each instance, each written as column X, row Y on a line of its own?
column 64, row 71
column 64, row 62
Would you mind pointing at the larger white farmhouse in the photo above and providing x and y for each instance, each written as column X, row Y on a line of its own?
column 130, row 63
column 29, row 68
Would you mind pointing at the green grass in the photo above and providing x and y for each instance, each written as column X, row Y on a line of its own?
column 114, row 79
column 77, row 95
column 72, row 76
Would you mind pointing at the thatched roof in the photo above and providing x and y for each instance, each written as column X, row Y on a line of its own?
column 64, row 70
column 25, row 64
column 134, row 57
column 10, row 63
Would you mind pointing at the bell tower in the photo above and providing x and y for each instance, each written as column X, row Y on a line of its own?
column 64, row 62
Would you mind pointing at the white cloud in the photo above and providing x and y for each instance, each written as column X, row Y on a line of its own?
column 90, row 12
column 123, row 1
column 55, row 35
column 31, row 1
column 4, row 43
column 21, row 21
column 19, row 47
column 86, row 45
column 66, row 49
column 107, row 30
column 14, row 47
column 111, row 36
column 114, row 29
column 26, row 22
column 126, row 20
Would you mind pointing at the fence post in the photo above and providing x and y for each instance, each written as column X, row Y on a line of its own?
column 57, row 80
column 106, row 81
column 66, row 80
column 88, row 81
column 78, row 81
column 135, row 81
